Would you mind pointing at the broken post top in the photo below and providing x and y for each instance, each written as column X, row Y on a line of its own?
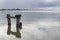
column 16, row 16
column 8, row 15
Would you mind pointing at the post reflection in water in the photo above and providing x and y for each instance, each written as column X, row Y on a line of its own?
column 18, row 25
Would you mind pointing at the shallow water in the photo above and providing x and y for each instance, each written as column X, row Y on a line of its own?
column 36, row 25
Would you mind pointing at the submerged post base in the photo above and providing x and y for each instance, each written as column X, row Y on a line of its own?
column 17, row 34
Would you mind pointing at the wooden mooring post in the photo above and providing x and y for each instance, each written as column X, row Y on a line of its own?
column 18, row 25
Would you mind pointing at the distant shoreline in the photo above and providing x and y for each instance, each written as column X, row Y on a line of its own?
column 13, row 9
column 30, row 9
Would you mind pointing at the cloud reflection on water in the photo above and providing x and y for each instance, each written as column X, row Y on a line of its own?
column 36, row 26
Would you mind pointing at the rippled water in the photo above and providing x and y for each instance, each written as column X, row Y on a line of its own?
column 36, row 25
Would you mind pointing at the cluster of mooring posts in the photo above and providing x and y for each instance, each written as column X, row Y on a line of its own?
column 18, row 25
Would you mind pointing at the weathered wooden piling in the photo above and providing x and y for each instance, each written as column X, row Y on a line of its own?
column 9, row 24
column 18, row 25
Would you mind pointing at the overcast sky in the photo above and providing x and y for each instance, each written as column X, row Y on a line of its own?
column 29, row 3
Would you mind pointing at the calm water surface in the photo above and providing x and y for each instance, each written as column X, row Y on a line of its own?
column 36, row 25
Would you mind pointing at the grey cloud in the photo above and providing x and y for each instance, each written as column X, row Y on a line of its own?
column 29, row 4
